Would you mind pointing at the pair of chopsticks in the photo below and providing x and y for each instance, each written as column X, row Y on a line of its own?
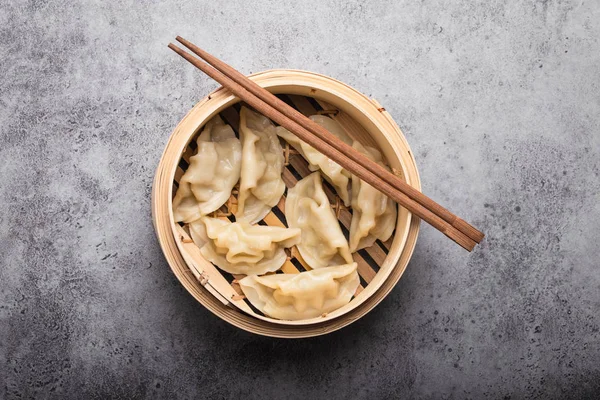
column 331, row 146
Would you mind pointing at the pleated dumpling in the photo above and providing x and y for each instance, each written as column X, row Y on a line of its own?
column 213, row 172
column 307, row 207
column 241, row 248
column 373, row 213
column 261, row 184
column 305, row 295
column 335, row 174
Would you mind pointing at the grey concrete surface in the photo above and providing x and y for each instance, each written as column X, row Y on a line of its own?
column 500, row 102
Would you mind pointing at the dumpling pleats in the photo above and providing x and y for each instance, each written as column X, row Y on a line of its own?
column 261, row 184
column 213, row 172
column 241, row 248
column 307, row 207
column 308, row 294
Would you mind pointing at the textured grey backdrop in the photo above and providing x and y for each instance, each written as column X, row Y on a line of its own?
column 500, row 103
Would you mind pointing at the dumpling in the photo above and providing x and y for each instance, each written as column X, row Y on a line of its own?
column 301, row 296
column 261, row 184
column 335, row 174
column 241, row 248
column 212, row 173
column 373, row 213
column 308, row 208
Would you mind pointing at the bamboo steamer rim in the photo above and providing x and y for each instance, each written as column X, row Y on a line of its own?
column 364, row 110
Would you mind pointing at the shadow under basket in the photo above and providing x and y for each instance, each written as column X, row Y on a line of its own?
column 379, row 266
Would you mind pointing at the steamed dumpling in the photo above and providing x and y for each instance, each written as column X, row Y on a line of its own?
column 301, row 296
column 261, row 184
column 335, row 174
column 212, row 173
column 373, row 213
column 308, row 208
column 241, row 248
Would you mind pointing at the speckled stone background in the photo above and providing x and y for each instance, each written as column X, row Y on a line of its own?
column 500, row 102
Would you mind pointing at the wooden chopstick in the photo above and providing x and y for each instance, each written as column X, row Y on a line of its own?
column 318, row 142
column 318, row 130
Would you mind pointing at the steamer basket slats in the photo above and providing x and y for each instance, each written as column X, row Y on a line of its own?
column 376, row 265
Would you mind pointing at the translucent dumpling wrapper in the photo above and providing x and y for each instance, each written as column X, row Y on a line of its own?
column 308, row 294
column 241, row 248
column 334, row 173
column 213, row 172
column 373, row 213
column 261, row 184
column 307, row 207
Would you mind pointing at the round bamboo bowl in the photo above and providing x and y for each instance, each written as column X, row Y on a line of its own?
column 380, row 266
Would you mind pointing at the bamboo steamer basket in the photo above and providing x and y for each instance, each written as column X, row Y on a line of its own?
column 380, row 266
